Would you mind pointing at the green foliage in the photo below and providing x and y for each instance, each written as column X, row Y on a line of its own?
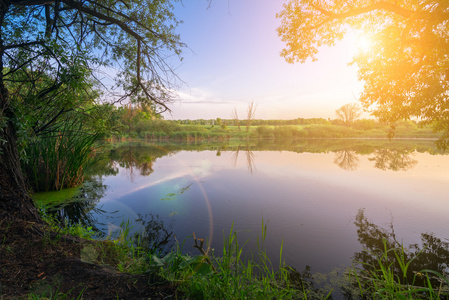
column 229, row 276
column 365, row 124
column 382, row 271
column 147, row 127
column 385, row 269
column 57, row 160
column 64, row 228
column 319, row 128
column 382, row 280
column 329, row 131
column 404, row 71
column 55, row 138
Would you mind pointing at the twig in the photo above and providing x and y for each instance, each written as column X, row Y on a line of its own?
column 204, row 253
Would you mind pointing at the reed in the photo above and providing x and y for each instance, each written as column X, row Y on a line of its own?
column 56, row 160
column 233, row 276
column 388, row 277
column 230, row 276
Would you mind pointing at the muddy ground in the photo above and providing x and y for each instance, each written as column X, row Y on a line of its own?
column 34, row 260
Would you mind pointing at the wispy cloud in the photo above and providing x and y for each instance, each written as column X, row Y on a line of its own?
column 201, row 96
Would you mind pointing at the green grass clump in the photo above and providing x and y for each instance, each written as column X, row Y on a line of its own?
column 62, row 228
column 230, row 276
column 387, row 273
column 55, row 161
column 389, row 277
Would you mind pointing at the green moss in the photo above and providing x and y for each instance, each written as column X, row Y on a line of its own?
column 56, row 197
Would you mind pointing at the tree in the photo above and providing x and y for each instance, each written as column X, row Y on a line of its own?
column 235, row 117
column 250, row 114
column 406, row 70
column 348, row 113
column 68, row 42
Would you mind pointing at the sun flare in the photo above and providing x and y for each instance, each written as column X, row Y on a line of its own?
column 363, row 42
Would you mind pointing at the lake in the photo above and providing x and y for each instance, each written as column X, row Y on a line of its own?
column 325, row 200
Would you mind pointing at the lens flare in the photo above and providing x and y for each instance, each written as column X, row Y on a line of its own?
column 363, row 42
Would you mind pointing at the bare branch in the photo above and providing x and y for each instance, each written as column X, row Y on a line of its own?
column 122, row 25
column 7, row 47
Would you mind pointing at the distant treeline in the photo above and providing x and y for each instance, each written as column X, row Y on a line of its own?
column 256, row 122
column 139, row 122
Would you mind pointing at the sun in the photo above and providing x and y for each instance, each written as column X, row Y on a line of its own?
column 363, row 42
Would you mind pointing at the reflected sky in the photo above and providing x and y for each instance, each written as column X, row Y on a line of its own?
column 309, row 200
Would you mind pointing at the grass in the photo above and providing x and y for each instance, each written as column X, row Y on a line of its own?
column 237, row 274
column 57, row 160
column 167, row 130
column 380, row 281
column 229, row 276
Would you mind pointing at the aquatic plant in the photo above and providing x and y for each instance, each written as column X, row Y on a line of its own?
column 56, row 160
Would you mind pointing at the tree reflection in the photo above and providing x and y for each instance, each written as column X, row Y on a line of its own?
column 347, row 160
column 155, row 236
column 392, row 159
column 431, row 254
column 136, row 159
column 82, row 208
column 250, row 157
column 133, row 158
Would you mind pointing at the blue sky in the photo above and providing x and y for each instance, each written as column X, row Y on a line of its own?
column 233, row 59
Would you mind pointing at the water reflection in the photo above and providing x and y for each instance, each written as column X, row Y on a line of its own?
column 380, row 245
column 250, row 157
column 138, row 158
column 301, row 190
column 384, row 159
column 347, row 160
column 393, row 159
column 431, row 254
column 135, row 158
column 395, row 155
column 83, row 208
column 154, row 236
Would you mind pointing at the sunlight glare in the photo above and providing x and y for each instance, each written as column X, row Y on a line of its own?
column 363, row 42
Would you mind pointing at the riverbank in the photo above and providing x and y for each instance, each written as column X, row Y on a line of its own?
column 38, row 262
column 161, row 130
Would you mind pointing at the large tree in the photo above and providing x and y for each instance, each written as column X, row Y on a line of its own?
column 406, row 69
column 67, row 43
column 348, row 113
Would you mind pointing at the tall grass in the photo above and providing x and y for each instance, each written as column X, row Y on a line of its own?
column 388, row 277
column 56, row 160
column 231, row 276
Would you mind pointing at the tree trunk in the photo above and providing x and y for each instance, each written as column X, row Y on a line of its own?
column 15, row 202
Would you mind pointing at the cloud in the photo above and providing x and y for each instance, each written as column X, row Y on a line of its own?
column 201, row 96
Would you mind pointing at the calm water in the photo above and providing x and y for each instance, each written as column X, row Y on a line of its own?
column 319, row 197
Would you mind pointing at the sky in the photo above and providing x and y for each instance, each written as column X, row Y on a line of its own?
column 233, row 58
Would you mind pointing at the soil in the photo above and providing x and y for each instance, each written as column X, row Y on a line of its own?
column 35, row 260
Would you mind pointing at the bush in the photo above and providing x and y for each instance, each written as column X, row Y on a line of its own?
column 330, row 131
column 264, row 132
column 365, row 124
column 153, row 126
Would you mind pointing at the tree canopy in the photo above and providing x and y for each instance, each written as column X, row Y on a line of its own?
column 348, row 113
column 54, row 55
column 65, row 38
column 406, row 69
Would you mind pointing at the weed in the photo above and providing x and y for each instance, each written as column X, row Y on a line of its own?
column 382, row 280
